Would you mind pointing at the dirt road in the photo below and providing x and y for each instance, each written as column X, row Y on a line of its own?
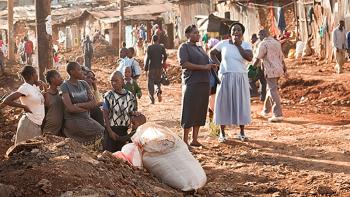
column 307, row 154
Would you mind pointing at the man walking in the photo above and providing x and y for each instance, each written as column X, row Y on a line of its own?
column 88, row 52
column 271, row 55
column 340, row 46
column 156, row 57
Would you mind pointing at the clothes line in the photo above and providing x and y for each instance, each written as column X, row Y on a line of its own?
column 252, row 5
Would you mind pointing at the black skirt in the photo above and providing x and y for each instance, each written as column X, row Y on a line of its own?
column 195, row 99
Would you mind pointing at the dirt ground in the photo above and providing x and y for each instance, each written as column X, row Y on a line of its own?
column 308, row 154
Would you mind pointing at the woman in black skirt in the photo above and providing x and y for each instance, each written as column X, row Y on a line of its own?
column 195, row 80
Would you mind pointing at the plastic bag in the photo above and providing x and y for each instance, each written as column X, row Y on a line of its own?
column 154, row 138
column 131, row 153
column 167, row 157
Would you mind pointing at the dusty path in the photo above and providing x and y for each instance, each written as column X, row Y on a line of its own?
column 307, row 154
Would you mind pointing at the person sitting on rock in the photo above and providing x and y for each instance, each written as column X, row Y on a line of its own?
column 54, row 107
column 32, row 102
column 118, row 107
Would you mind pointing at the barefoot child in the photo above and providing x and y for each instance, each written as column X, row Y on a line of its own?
column 118, row 107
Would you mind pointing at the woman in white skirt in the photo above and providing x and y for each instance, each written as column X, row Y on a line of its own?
column 232, row 104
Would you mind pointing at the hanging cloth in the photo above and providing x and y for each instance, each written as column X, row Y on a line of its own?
column 281, row 19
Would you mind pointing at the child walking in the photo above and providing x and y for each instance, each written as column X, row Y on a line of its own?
column 118, row 107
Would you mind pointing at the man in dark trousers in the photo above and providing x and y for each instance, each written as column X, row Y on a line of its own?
column 156, row 57
column 88, row 52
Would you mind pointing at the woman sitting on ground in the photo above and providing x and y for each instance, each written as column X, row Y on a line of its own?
column 54, row 108
column 78, row 101
column 32, row 102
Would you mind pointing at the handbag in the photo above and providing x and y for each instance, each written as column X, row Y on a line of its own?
column 164, row 78
column 252, row 72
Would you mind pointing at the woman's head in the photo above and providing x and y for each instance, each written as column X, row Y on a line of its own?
column 237, row 30
column 90, row 77
column 29, row 74
column 53, row 77
column 192, row 33
column 117, row 80
column 75, row 71
column 80, row 60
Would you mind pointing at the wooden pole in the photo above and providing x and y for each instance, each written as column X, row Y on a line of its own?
column 10, row 35
column 296, row 20
column 121, row 23
column 44, row 36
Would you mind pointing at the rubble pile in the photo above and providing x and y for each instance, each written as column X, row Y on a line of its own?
column 55, row 166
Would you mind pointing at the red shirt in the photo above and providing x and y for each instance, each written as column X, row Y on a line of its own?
column 28, row 47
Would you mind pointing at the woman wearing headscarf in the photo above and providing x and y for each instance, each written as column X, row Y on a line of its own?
column 232, row 104
column 195, row 79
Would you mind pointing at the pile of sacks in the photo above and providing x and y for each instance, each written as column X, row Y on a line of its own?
column 164, row 155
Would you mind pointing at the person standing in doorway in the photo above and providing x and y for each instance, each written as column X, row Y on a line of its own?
column 340, row 46
column 88, row 52
column 156, row 57
column 271, row 55
column 28, row 50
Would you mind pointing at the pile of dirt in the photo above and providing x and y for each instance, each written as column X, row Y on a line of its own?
column 55, row 166
column 303, row 91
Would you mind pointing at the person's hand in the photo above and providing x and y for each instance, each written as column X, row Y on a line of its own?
column 41, row 84
column 210, row 66
column 26, row 109
column 135, row 113
column 113, row 135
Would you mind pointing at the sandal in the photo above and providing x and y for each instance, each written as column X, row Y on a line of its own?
column 196, row 144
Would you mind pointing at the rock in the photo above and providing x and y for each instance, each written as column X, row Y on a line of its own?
column 335, row 103
column 218, row 195
column 44, row 185
column 7, row 190
column 110, row 193
column 35, row 150
column 24, row 146
column 276, row 194
column 67, row 194
column 161, row 192
column 60, row 144
column 325, row 190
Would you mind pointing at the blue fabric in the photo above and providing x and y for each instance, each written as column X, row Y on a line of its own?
column 105, row 105
column 348, row 36
column 281, row 20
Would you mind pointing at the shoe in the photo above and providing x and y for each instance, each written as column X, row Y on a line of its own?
column 159, row 97
column 275, row 119
column 263, row 113
column 152, row 101
column 222, row 139
column 242, row 137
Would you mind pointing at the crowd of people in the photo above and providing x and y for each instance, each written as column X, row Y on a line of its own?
column 218, row 78
column 75, row 108
column 214, row 79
